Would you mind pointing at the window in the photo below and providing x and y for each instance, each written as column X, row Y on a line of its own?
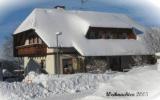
column 67, row 66
column 110, row 33
column 39, row 41
column 30, row 40
column 92, row 35
column 35, row 40
column 124, row 36
column 102, row 34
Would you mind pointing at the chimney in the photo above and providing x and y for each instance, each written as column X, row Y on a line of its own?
column 60, row 7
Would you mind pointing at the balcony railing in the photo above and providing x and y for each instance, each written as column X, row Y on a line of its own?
column 32, row 50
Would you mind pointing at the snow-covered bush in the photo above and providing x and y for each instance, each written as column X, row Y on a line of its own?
column 96, row 64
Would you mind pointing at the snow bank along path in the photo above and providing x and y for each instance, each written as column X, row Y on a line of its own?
column 47, row 85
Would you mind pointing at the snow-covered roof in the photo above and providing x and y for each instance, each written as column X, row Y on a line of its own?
column 75, row 24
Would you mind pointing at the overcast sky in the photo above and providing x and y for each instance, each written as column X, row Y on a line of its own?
column 13, row 12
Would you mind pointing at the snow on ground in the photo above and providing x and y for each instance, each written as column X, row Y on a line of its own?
column 144, row 80
column 84, row 86
column 71, row 83
column 21, row 91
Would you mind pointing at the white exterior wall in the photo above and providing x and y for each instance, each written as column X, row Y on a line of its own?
column 50, row 64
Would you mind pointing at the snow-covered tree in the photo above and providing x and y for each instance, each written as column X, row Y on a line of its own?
column 8, row 48
column 152, row 39
column 8, row 60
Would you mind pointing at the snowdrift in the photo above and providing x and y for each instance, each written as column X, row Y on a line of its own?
column 138, row 84
column 34, row 86
column 42, row 86
column 59, row 84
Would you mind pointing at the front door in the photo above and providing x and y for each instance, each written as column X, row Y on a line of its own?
column 115, row 63
column 67, row 66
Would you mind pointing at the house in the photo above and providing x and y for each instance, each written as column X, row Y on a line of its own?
column 90, row 41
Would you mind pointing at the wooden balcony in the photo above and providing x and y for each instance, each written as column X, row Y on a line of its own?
column 32, row 50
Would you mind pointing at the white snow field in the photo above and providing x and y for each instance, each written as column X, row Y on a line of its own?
column 84, row 86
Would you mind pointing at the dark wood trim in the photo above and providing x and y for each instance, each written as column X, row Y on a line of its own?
column 23, row 32
column 32, row 50
column 128, row 31
column 31, row 45
column 19, row 43
column 54, row 53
